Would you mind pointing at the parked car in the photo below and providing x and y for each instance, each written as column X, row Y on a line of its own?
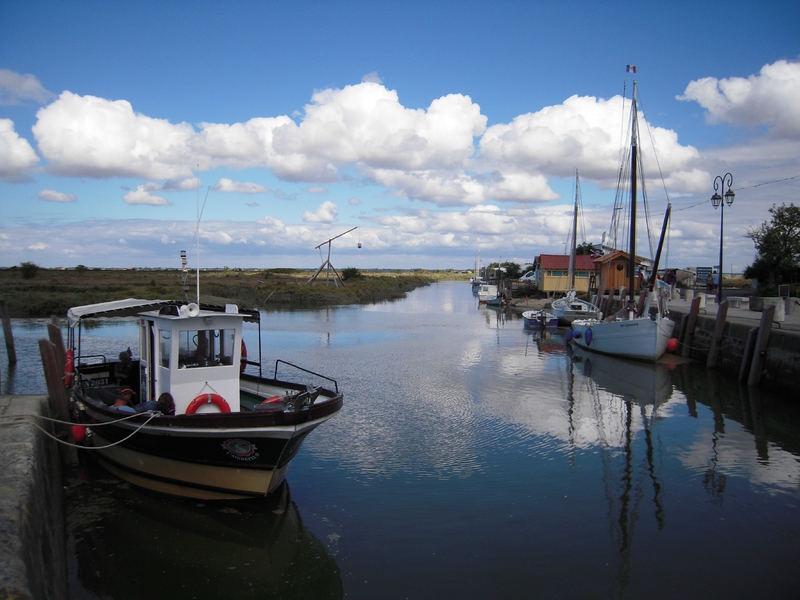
column 529, row 278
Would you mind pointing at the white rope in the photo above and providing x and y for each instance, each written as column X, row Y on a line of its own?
column 153, row 414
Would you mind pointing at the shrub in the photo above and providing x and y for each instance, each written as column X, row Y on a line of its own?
column 29, row 270
column 351, row 273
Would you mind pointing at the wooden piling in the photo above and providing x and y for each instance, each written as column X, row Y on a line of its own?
column 719, row 327
column 54, row 332
column 57, row 394
column 747, row 354
column 761, row 346
column 688, row 335
column 10, row 349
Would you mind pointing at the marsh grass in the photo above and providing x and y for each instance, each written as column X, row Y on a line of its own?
column 54, row 291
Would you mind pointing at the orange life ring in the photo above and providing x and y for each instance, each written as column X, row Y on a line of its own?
column 69, row 367
column 243, row 362
column 216, row 399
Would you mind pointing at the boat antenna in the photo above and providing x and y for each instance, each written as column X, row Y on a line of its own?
column 196, row 239
column 197, row 234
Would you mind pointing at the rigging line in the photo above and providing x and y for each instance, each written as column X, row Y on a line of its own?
column 747, row 187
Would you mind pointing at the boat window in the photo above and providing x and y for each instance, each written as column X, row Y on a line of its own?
column 165, row 348
column 206, row 348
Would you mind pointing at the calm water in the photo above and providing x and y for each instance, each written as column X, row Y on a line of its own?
column 471, row 460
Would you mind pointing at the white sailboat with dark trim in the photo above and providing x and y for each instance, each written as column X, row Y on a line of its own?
column 184, row 417
column 631, row 332
column 569, row 307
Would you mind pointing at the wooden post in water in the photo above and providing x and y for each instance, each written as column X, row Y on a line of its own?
column 10, row 349
column 761, row 346
column 54, row 332
column 57, row 395
column 688, row 335
column 747, row 355
column 719, row 327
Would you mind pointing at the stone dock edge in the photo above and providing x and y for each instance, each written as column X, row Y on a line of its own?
column 33, row 562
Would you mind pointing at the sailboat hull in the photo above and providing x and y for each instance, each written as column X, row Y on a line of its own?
column 641, row 339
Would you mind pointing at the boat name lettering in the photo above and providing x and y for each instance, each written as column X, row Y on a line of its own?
column 630, row 324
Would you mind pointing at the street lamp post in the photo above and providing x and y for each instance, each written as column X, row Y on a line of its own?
column 717, row 200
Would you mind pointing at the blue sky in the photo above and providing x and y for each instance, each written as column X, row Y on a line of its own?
column 440, row 129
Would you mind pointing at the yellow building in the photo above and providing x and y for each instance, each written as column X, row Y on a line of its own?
column 554, row 273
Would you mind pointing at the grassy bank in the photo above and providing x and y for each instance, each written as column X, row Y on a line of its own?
column 52, row 292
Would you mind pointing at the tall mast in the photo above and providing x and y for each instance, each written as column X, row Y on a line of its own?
column 574, row 234
column 632, row 267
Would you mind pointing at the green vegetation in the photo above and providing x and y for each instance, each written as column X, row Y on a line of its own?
column 28, row 270
column 351, row 273
column 777, row 244
column 54, row 291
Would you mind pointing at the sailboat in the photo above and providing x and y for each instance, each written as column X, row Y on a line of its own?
column 476, row 280
column 570, row 307
column 631, row 332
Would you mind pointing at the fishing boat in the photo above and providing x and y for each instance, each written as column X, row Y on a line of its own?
column 569, row 307
column 184, row 417
column 488, row 293
column 537, row 319
column 631, row 332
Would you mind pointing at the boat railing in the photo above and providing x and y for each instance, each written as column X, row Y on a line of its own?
column 90, row 359
column 279, row 361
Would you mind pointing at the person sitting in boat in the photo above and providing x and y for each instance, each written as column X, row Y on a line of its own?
column 123, row 370
column 123, row 402
column 165, row 405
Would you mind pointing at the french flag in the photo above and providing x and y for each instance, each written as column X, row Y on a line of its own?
column 630, row 68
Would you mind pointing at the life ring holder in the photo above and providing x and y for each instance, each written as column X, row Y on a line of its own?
column 209, row 398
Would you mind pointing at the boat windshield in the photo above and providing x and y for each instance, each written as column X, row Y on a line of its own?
column 206, row 348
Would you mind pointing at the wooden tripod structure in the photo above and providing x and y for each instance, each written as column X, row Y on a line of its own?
column 337, row 278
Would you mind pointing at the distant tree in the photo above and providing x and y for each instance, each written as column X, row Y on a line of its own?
column 29, row 270
column 584, row 248
column 777, row 244
column 513, row 270
column 81, row 269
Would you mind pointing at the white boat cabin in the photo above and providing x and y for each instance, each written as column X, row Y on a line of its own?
column 188, row 352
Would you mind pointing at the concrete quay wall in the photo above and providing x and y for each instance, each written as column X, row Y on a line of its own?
column 32, row 521
column 781, row 368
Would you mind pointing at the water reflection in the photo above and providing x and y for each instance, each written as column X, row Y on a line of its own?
column 131, row 544
column 487, row 462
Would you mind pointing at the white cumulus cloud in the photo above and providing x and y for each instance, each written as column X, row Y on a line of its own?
column 241, row 187
column 583, row 133
column 55, row 196
column 143, row 196
column 768, row 99
column 271, row 226
column 86, row 136
column 17, row 156
column 325, row 213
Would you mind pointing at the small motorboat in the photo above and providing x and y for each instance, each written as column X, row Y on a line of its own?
column 537, row 319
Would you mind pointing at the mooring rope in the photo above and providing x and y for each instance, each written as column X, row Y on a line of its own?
column 152, row 415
